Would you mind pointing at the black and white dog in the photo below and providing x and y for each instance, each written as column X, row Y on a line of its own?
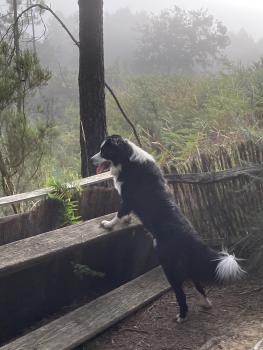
column 143, row 189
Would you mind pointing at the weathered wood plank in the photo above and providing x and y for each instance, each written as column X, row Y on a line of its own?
column 217, row 176
column 24, row 253
column 41, row 193
column 84, row 323
column 191, row 178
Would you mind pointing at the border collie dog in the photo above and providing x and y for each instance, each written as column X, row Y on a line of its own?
column 143, row 189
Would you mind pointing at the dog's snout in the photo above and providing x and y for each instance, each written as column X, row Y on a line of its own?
column 96, row 159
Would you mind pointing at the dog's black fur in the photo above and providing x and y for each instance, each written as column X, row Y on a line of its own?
column 182, row 253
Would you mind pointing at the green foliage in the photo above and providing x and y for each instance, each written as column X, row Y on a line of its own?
column 65, row 156
column 25, row 134
column 8, row 78
column 64, row 192
column 88, row 346
column 83, row 271
column 178, row 41
column 24, row 138
column 178, row 116
column 32, row 74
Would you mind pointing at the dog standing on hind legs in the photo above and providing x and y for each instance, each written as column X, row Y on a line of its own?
column 143, row 190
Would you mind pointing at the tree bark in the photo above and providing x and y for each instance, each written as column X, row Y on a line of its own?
column 17, row 53
column 91, row 81
column 29, row 3
column 7, row 183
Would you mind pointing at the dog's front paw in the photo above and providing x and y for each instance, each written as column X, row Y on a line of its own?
column 126, row 220
column 107, row 224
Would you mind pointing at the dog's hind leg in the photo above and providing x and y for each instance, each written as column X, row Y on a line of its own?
column 180, row 295
column 206, row 303
column 181, row 299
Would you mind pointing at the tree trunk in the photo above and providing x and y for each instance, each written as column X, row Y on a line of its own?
column 17, row 53
column 7, row 183
column 91, row 81
column 29, row 3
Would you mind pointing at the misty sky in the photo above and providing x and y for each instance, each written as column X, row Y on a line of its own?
column 235, row 14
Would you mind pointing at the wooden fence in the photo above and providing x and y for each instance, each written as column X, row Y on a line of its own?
column 219, row 193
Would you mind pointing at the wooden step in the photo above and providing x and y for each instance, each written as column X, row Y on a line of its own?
column 40, row 275
column 33, row 250
column 80, row 325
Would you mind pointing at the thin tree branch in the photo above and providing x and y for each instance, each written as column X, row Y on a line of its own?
column 47, row 8
column 124, row 114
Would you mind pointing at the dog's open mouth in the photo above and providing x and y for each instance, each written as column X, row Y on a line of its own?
column 102, row 167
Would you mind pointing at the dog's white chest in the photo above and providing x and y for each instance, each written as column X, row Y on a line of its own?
column 117, row 185
column 115, row 172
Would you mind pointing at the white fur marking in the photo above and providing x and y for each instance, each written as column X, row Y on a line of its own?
column 138, row 154
column 207, row 304
column 115, row 171
column 117, row 185
column 103, row 143
column 228, row 267
column 116, row 220
column 97, row 159
column 258, row 345
column 111, row 223
column 126, row 219
column 180, row 319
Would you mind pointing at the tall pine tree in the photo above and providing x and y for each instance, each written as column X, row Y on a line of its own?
column 91, row 81
column 21, row 140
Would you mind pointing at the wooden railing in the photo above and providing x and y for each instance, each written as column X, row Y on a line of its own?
column 189, row 178
column 42, row 193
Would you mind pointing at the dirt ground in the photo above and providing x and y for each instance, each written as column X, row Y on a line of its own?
column 235, row 322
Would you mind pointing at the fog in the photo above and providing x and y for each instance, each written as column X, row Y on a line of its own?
column 189, row 83
column 235, row 14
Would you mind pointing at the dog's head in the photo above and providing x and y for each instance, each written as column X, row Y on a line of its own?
column 115, row 151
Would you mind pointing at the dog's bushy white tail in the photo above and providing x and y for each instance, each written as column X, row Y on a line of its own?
column 228, row 268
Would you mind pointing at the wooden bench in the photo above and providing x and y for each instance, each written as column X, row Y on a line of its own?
column 39, row 275
column 80, row 325
column 22, row 254
column 30, row 251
